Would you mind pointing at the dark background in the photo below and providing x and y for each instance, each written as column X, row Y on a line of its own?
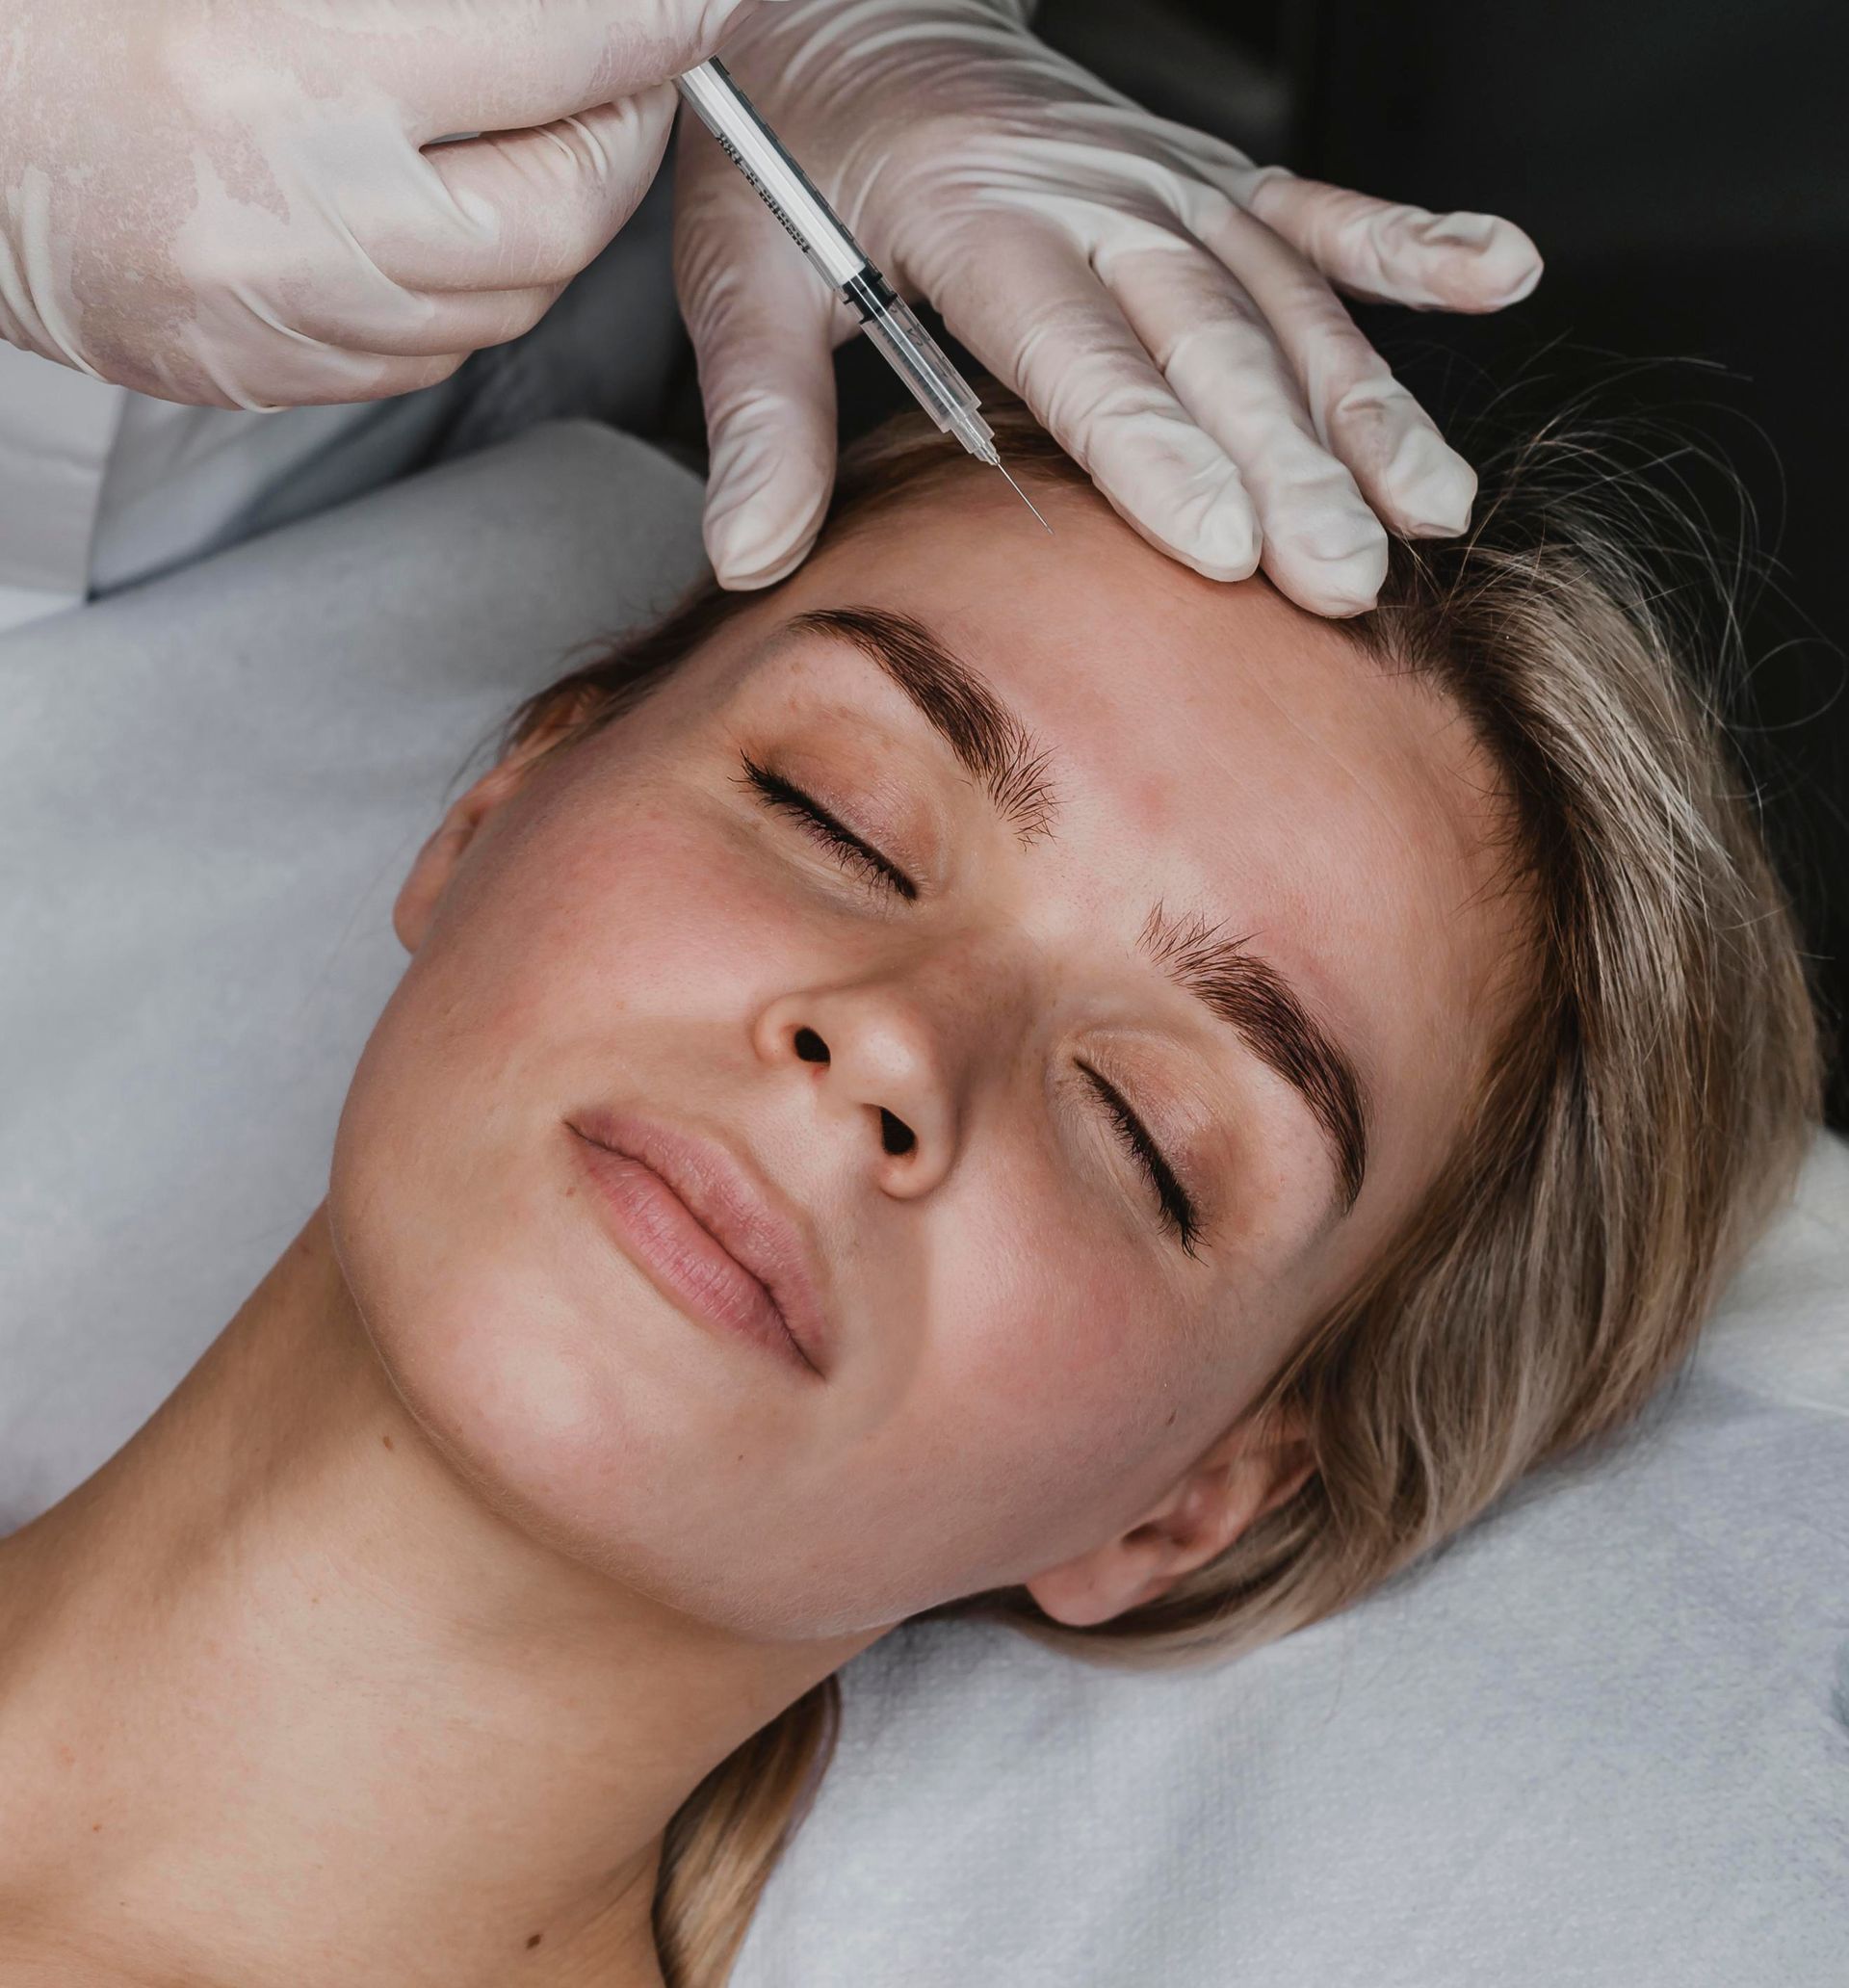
column 1683, row 168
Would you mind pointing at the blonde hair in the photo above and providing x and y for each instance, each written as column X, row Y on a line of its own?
column 1643, row 1116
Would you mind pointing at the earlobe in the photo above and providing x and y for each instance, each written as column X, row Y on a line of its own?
column 437, row 861
column 434, row 865
column 1244, row 1477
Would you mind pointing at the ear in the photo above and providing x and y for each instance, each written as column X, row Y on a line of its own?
column 1251, row 1469
column 437, row 860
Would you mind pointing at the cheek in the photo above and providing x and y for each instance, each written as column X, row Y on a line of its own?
column 569, row 953
column 1047, row 1409
column 599, row 905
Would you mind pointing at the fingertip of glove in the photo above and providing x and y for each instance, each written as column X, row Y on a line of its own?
column 764, row 508
column 1510, row 266
column 1447, row 522
column 1431, row 486
column 1524, row 284
column 1339, row 531
column 753, row 542
column 1347, row 585
column 1178, row 488
column 1213, row 564
column 1501, row 264
column 743, row 562
column 1223, row 540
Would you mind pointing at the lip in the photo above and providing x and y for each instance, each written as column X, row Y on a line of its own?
column 709, row 1230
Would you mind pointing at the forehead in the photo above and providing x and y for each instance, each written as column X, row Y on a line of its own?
column 1215, row 747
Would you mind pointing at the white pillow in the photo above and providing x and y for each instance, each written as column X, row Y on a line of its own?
column 1601, row 1738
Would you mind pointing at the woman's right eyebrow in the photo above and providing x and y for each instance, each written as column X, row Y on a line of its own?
column 990, row 740
column 1246, row 992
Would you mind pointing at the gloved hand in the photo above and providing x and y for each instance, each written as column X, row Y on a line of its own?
column 1163, row 305
column 229, row 205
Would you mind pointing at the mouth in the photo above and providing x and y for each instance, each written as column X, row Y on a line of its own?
column 708, row 1231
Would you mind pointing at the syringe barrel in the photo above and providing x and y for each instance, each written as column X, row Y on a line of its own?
column 918, row 359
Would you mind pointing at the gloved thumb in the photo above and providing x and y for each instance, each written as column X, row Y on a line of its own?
column 764, row 330
column 533, row 207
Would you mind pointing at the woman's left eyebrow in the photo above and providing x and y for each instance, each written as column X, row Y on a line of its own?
column 989, row 739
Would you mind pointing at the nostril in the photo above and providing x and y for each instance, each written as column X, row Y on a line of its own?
column 810, row 1046
column 895, row 1134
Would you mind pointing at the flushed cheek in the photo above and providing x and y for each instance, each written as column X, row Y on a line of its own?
column 586, row 923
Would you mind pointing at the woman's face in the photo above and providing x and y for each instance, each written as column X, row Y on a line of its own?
column 933, row 1055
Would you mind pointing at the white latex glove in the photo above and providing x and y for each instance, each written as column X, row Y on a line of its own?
column 1163, row 305
column 227, row 204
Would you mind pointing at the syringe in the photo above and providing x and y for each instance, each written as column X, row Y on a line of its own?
column 885, row 317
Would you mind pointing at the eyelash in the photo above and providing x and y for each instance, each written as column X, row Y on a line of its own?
column 775, row 792
column 778, row 793
column 1178, row 1211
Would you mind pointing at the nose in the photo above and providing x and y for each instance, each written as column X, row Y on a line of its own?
column 872, row 1061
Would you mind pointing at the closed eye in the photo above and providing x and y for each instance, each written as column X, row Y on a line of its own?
column 1177, row 1210
column 775, row 792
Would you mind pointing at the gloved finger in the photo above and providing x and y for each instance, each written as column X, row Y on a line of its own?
column 1037, row 318
column 407, row 375
column 512, row 209
column 524, row 62
column 1388, row 252
column 337, row 376
column 428, row 323
column 1419, row 485
column 1323, row 546
column 763, row 332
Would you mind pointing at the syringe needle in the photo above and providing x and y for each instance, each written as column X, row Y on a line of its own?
column 1023, row 497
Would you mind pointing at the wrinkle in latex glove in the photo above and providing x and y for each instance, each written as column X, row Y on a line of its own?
column 1169, row 309
column 232, row 206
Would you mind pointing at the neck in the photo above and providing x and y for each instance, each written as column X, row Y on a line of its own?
column 282, row 1699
